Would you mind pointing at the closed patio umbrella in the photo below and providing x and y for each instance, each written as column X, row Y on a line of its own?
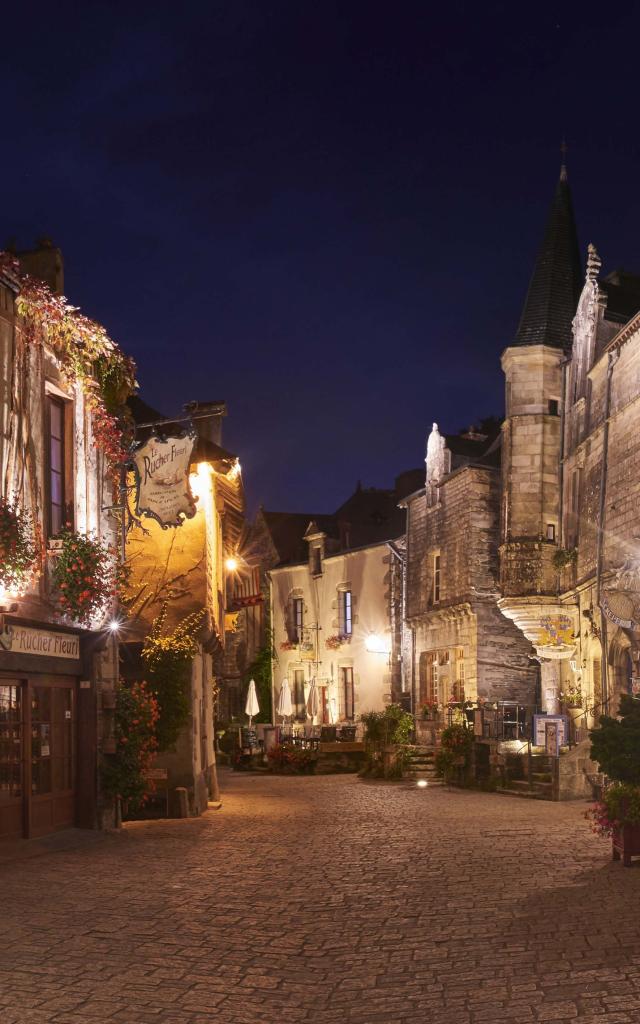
column 313, row 703
column 285, row 705
column 252, row 707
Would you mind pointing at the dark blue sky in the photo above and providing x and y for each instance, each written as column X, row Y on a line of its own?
column 324, row 213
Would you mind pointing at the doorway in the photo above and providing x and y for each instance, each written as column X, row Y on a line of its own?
column 37, row 756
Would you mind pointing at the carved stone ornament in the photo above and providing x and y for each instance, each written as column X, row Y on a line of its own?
column 161, row 467
column 586, row 315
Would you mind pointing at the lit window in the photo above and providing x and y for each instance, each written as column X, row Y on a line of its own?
column 551, row 531
column 345, row 617
column 297, row 610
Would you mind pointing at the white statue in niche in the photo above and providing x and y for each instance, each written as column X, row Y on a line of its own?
column 584, row 324
column 438, row 462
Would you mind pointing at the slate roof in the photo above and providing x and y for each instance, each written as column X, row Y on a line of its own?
column 557, row 278
column 287, row 530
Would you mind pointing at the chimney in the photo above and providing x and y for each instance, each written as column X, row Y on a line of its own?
column 44, row 262
column 207, row 419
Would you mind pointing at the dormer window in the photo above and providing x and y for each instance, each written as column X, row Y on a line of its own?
column 316, row 561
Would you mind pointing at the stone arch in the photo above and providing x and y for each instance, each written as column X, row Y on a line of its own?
column 620, row 668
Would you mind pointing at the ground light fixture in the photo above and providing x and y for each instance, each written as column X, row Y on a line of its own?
column 422, row 783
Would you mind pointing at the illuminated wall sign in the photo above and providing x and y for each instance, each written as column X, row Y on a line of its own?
column 162, row 480
column 23, row 640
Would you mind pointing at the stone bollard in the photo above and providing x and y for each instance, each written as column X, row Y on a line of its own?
column 182, row 802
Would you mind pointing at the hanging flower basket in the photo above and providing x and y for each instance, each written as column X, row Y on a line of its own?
column 84, row 577
column 18, row 547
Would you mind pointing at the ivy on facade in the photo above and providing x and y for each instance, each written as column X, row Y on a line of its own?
column 168, row 659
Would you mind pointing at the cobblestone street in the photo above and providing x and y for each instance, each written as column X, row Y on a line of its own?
column 325, row 900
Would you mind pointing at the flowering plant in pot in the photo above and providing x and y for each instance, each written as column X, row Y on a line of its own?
column 18, row 546
column 429, row 708
column 84, row 576
column 615, row 745
column 285, row 757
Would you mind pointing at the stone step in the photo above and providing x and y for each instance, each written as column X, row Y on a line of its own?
column 526, row 794
column 522, row 786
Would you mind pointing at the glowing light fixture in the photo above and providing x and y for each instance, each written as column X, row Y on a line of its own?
column 114, row 626
column 231, row 563
column 376, row 644
column 422, row 783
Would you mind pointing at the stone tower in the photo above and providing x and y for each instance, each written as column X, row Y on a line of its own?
column 531, row 445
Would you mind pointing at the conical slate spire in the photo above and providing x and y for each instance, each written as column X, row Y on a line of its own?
column 556, row 281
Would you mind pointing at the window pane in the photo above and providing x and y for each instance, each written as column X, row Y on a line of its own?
column 56, row 489
column 56, row 418
column 56, row 455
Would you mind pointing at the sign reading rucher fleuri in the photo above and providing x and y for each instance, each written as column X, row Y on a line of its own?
column 24, row 640
column 162, row 479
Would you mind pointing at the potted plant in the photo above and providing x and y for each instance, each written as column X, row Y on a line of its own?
column 615, row 745
column 18, row 547
column 430, row 710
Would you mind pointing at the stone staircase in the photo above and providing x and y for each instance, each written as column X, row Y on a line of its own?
column 539, row 787
column 421, row 765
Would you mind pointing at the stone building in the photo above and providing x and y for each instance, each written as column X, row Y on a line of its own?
column 184, row 570
column 336, row 602
column 461, row 648
column 57, row 678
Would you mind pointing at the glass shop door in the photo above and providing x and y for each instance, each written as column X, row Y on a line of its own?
column 11, row 759
column 52, row 762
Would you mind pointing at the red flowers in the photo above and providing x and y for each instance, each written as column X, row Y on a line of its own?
column 84, row 577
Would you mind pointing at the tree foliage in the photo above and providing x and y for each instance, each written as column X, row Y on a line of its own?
column 615, row 744
column 260, row 671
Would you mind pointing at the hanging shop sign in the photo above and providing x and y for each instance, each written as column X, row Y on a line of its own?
column 161, row 468
column 618, row 607
column 24, row 640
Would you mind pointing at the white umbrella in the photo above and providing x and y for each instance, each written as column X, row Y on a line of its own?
column 252, row 707
column 313, row 704
column 285, row 706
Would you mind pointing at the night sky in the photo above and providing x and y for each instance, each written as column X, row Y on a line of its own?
column 324, row 213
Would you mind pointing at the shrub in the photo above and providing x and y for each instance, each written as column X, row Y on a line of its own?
column 287, row 757
column 456, row 742
column 168, row 659
column 615, row 744
column 136, row 716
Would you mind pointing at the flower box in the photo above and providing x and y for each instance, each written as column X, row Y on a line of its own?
column 626, row 843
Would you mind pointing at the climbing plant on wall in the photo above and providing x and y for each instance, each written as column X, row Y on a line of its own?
column 168, row 658
column 85, row 353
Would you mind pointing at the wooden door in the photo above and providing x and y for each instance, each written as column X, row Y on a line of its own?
column 51, row 765
column 12, row 743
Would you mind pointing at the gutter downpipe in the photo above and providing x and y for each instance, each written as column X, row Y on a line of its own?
column 613, row 359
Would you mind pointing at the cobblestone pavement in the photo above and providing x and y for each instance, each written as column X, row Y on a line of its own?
column 327, row 900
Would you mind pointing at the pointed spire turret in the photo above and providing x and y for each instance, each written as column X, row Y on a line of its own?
column 556, row 281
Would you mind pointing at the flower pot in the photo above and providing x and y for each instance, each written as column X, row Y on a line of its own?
column 626, row 843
